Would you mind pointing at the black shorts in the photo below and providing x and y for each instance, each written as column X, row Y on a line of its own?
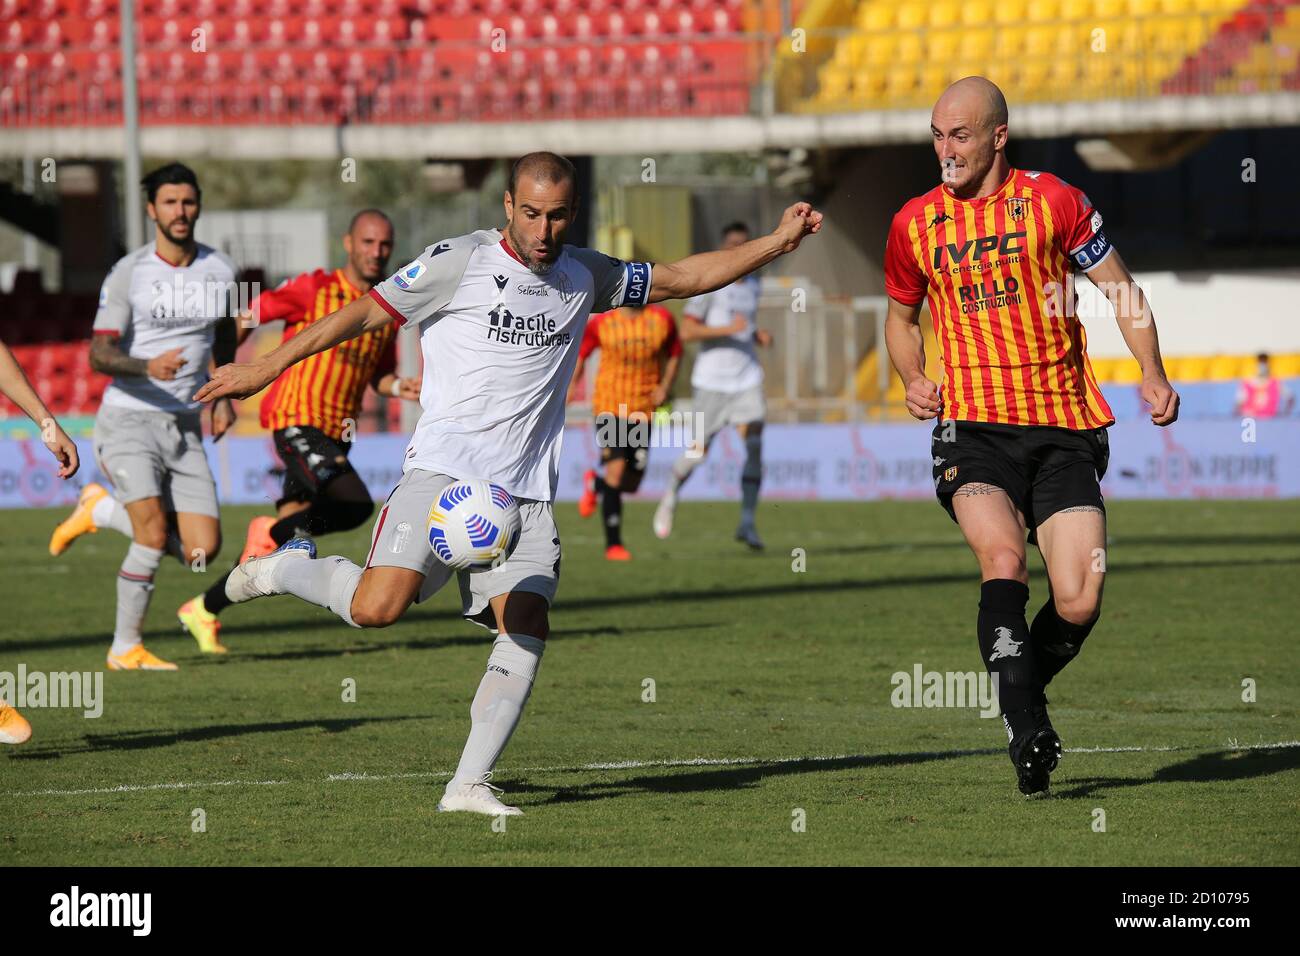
column 311, row 461
column 621, row 438
column 1043, row 469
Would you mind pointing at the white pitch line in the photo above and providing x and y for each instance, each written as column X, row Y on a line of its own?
column 139, row 788
column 366, row 777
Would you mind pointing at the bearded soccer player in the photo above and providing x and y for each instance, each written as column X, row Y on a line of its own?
column 500, row 317
column 312, row 410
column 639, row 355
column 165, row 312
column 1021, row 442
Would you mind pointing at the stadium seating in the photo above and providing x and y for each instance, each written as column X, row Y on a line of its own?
column 327, row 61
column 901, row 53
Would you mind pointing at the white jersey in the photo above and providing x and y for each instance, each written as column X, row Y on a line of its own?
column 156, row 307
column 728, row 364
column 500, row 345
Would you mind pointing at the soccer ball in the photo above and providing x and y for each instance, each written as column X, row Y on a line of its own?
column 474, row 525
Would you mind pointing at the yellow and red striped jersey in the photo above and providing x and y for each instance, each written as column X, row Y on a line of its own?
column 634, row 344
column 325, row 389
column 994, row 271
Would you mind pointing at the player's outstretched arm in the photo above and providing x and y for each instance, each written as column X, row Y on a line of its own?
column 14, row 384
column 907, row 352
column 241, row 380
column 698, row 274
column 1138, row 326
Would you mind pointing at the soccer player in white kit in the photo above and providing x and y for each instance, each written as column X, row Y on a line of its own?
column 165, row 312
column 500, row 317
column 728, row 382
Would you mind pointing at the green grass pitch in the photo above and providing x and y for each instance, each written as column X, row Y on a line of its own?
column 771, row 706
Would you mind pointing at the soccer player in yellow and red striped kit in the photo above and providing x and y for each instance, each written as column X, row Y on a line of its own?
column 312, row 409
column 640, row 354
column 1021, row 442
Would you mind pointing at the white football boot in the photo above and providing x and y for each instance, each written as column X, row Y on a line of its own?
column 477, row 797
column 252, row 579
column 663, row 520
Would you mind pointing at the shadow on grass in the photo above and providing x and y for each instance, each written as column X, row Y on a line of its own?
column 150, row 739
column 740, row 776
column 1221, row 766
column 707, row 595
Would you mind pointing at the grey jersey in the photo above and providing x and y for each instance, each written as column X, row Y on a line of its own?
column 156, row 307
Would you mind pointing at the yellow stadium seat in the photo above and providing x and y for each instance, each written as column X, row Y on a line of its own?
column 1101, row 369
column 1109, row 9
column 1044, row 12
column 1010, row 11
column 1063, row 78
column 909, row 48
column 934, row 78
column 1118, row 36
column 911, row 16
column 881, row 49
column 1125, row 372
column 1227, row 368
column 834, row 83
column 869, row 84
column 1076, row 9
column 1001, row 72
column 976, row 13
column 1009, row 42
column 1040, row 42
column 876, row 16
column 1180, row 6
column 900, row 84
column 941, row 46
column 1192, row 368
column 1033, row 77
column 944, row 15
column 976, row 44
column 1284, row 366
column 1142, row 8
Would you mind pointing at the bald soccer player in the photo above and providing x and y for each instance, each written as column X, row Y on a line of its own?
column 1019, row 447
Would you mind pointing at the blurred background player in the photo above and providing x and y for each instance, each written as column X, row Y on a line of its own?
column 14, row 728
column 1263, row 395
column 312, row 410
column 164, row 315
column 728, row 382
column 1022, row 444
column 640, row 352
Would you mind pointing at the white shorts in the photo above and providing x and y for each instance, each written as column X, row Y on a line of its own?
column 148, row 454
column 400, row 540
column 717, row 410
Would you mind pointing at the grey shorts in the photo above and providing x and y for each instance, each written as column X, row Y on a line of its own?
column 717, row 410
column 148, row 454
column 400, row 540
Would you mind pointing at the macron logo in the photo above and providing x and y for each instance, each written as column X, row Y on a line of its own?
column 103, row 909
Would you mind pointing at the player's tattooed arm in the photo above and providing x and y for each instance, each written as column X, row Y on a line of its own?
column 107, row 358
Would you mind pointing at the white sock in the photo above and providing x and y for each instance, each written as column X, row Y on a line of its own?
column 326, row 582
column 109, row 513
column 498, row 705
column 134, row 590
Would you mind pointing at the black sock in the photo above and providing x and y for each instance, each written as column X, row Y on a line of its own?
column 611, row 509
column 325, row 516
column 1056, row 641
column 1008, row 652
column 599, row 485
column 214, row 599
